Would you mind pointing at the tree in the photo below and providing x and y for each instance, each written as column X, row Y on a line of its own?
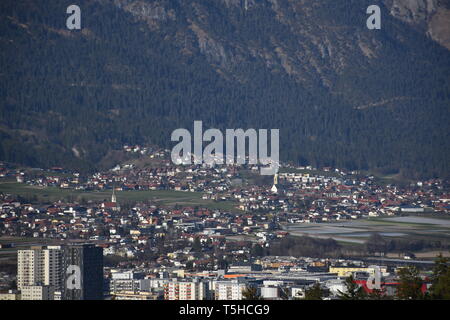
column 314, row 293
column 257, row 251
column 440, row 288
column 13, row 285
column 197, row 246
column 284, row 293
column 353, row 290
column 222, row 263
column 83, row 201
column 410, row 284
column 378, row 294
column 376, row 244
column 251, row 293
column 189, row 265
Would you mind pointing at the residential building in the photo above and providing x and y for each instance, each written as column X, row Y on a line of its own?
column 10, row 295
column 229, row 290
column 38, row 293
column 83, row 272
column 186, row 290
column 39, row 266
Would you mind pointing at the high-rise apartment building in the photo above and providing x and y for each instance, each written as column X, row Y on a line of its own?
column 82, row 272
column 39, row 266
column 74, row 270
column 52, row 267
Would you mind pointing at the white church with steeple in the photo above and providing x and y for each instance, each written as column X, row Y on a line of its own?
column 113, row 205
column 113, row 197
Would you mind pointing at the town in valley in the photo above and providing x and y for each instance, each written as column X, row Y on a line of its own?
column 151, row 230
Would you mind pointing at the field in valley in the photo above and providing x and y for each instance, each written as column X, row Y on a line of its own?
column 163, row 197
column 358, row 231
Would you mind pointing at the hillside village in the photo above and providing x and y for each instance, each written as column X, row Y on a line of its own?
column 150, row 244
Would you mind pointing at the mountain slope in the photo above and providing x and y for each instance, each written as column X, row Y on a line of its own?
column 342, row 95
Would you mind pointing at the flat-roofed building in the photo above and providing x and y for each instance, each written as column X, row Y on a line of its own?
column 229, row 290
column 38, row 293
column 131, row 295
column 10, row 295
column 345, row 271
column 39, row 266
column 186, row 290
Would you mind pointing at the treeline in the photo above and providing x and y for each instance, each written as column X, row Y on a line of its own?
column 329, row 248
column 378, row 244
column 304, row 247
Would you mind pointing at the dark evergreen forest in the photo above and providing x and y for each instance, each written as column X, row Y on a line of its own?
column 123, row 79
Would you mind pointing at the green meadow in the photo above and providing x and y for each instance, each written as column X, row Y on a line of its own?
column 162, row 197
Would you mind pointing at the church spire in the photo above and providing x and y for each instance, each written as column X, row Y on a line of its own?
column 113, row 197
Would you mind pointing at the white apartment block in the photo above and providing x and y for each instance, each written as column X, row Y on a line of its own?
column 39, row 266
column 29, row 267
column 38, row 293
column 129, row 285
column 229, row 290
column 193, row 290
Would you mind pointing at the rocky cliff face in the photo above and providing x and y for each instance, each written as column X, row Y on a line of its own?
column 413, row 11
column 320, row 48
column 429, row 16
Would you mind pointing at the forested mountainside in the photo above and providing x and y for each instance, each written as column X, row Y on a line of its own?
column 342, row 95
